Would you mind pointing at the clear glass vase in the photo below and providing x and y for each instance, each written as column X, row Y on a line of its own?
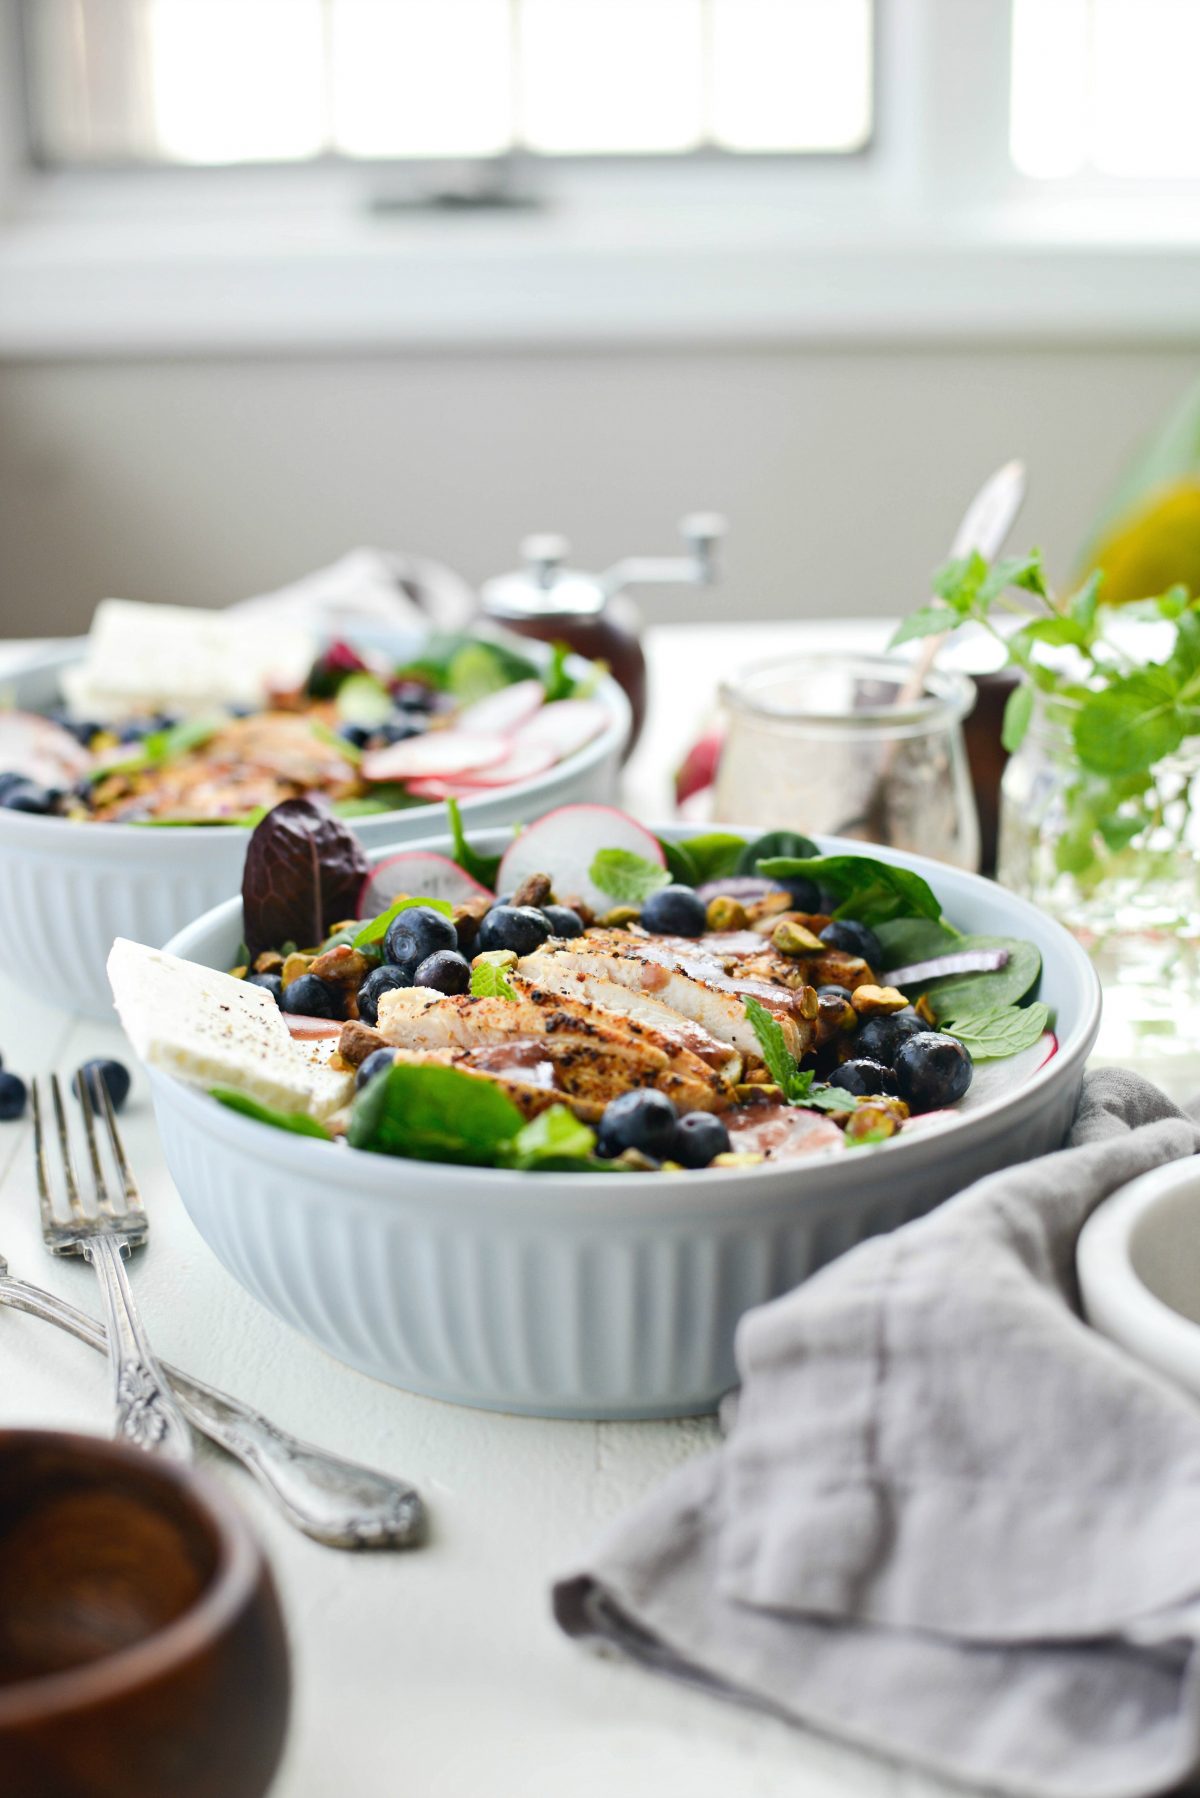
column 1135, row 908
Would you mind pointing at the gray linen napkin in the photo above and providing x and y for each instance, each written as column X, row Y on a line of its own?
column 950, row 1523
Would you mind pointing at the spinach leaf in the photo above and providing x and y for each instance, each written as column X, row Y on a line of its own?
column 626, row 877
column 711, row 856
column 298, row 1122
column 775, row 843
column 304, row 872
column 375, row 929
column 387, row 796
column 963, row 995
column 870, row 891
column 483, row 868
column 1002, row 1030
column 908, row 940
column 433, row 1114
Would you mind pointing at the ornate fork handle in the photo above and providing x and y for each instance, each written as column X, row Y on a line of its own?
column 146, row 1411
column 336, row 1502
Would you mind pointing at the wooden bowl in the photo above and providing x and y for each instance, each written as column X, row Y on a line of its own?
column 142, row 1650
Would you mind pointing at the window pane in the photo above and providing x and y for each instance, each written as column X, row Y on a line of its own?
column 1106, row 84
column 237, row 80
column 611, row 74
column 411, row 79
column 791, row 74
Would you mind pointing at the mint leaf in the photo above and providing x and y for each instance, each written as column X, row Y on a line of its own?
column 1003, row 1030
column 483, row 868
column 1024, row 572
column 1131, row 724
column 376, row 929
column 555, row 679
column 780, row 1063
column 363, row 699
column 1018, row 715
column 298, row 1122
column 1083, row 605
column 626, row 877
column 927, row 621
column 870, row 891
column 434, row 1114
column 554, row 1138
column 488, row 981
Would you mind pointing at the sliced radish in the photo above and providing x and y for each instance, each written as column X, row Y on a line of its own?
column 565, row 726
column 438, row 755
column 438, row 790
column 564, row 844
column 40, row 750
column 522, row 763
column 505, row 711
column 419, row 874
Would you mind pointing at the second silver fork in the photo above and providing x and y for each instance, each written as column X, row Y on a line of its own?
column 146, row 1412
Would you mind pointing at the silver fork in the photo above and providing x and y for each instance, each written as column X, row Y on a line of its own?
column 146, row 1412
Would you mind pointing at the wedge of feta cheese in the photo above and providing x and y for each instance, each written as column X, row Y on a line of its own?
column 209, row 1029
column 146, row 658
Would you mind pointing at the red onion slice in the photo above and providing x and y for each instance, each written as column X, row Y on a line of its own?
column 967, row 961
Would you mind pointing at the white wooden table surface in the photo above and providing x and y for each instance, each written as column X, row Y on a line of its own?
column 436, row 1674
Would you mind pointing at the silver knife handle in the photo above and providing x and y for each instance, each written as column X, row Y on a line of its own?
column 334, row 1501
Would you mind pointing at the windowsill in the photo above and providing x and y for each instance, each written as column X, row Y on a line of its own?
column 288, row 270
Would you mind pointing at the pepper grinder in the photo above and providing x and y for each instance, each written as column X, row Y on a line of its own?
column 593, row 613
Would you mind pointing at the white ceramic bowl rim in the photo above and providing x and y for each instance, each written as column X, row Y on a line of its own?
column 626, row 1193
column 1105, row 1256
column 112, row 839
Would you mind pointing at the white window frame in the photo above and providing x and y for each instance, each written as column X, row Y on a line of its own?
column 930, row 235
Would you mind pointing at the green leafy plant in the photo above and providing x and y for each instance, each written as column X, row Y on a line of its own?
column 483, row 868
column 298, row 1122
column 999, row 1031
column 488, row 980
column 870, row 891
column 1123, row 717
column 443, row 1114
column 375, row 929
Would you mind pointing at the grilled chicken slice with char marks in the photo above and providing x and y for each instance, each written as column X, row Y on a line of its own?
column 689, row 978
column 591, row 1055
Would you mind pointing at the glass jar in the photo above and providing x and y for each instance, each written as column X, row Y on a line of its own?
column 830, row 745
column 1134, row 906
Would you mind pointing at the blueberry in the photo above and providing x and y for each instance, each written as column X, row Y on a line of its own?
column 563, row 921
column 446, row 971
column 865, row 1079
column 644, row 1120
column 880, row 1039
column 27, row 796
column 357, row 735
column 854, row 939
column 136, row 730
column 416, row 933
column 8, row 780
column 399, row 727
column 12, row 1097
column 377, row 1062
column 378, row 981
column 115, row 1076
column 311, row 997
column 806, row 895
column 932, row 1070
column 273, row 983
column 521, row 928
column 675, row 911
column 698, row 1137
column 834, row 992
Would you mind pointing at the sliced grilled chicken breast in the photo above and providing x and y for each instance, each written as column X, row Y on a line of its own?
column 688, row 978
column 594, row 1055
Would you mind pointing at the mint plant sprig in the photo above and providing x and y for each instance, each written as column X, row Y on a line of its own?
column 1123, row 716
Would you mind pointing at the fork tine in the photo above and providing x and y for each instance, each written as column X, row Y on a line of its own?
column 45, row 1204
column 129, row 1186
column 103, row 1201
column 74, row 1201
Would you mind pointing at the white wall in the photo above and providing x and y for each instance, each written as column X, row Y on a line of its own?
column 842, row 471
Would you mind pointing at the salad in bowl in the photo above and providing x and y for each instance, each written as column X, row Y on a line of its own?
column 134, row 766
column 528, row 1119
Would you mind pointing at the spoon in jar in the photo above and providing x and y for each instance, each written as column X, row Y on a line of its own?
column 985, row 525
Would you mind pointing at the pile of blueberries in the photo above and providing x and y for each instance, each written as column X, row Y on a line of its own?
column 115, row 1075
column 20, row 793
column 421, row 948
